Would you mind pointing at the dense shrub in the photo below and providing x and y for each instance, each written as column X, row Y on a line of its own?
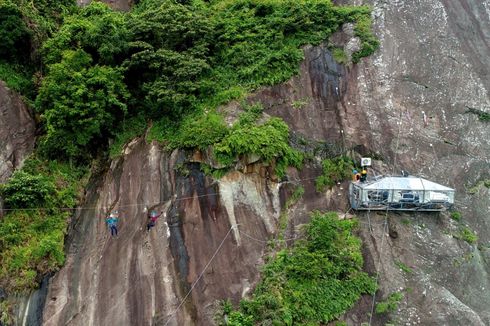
column 258, row 42
column 466, row 234
column 200, row 132
column 181, row 57
column 312, row 283
column 390, row 304
column 334, row 170
column 25, row 190
column 18, row 78
column 15, row 36
column 269, row 141
column 97, row 30
column 127, row 131
column 169, row 51
column 24, row 26
column 32, row 239
column 456, row 216
column 81, row 111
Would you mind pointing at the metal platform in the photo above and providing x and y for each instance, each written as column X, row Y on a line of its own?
column 400, row 193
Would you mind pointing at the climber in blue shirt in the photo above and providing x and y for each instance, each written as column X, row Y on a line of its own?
column 112, row 223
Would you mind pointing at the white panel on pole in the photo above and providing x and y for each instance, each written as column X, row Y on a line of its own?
column 366, row 161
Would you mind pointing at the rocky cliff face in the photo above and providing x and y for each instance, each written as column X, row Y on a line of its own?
column 17, row 129
column 140, row 277
column 406, row 104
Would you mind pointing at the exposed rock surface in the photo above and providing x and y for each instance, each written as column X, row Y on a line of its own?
column 140, row 277
column 17, row 130
column 406, row 103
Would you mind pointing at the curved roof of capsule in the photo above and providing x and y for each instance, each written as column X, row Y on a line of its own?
column 402, row 183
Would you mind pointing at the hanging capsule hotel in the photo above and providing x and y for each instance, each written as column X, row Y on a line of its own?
column 406, row 193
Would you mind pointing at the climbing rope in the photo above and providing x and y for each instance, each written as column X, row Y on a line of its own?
column 383, row 235
column 385, row 226
column 112, row 206
column 200, row 275
column 264, row 241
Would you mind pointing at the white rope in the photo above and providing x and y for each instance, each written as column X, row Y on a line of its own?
column 131, row 205
column 383, row 235
column 200, row 275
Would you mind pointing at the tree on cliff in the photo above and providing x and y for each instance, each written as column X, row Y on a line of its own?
column 79, row 112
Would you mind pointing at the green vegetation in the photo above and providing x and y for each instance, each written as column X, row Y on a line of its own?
column 466, row 234
column 406, row 221
column 14, row 34
column 259, row 41
column 369, row 42
column 313, row 282
column 339, row 55
column 334, row 170
column 268, row 140
column 26, row 190
column 299, row 104
column 131, row 128
column 199, row 131
column 79, row 112
column 403, row 267
column 465, row 259
column 456, row 216
column 216, row 173
column 171, row 62
column 24, row 26
column 16, row 78
column 390, row 304
column 295, row 196
column 482, row 115
column 482, row 183
column 32, row 240
column 6, row 313
column 96, row 30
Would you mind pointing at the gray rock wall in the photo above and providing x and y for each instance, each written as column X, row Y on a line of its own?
column 17, row 128
column 140, row 277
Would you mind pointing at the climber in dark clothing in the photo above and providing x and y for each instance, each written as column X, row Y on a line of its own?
column 112, row 223
column 153, row 216
column 364, row 175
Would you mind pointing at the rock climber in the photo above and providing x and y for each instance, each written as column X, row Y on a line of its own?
column 111, row 221
column 363, row 175
column 153, row 216
column 356, row 176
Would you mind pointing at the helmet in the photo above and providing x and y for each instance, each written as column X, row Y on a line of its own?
column 364, row 172
column 154, row 213
column 354, row 171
